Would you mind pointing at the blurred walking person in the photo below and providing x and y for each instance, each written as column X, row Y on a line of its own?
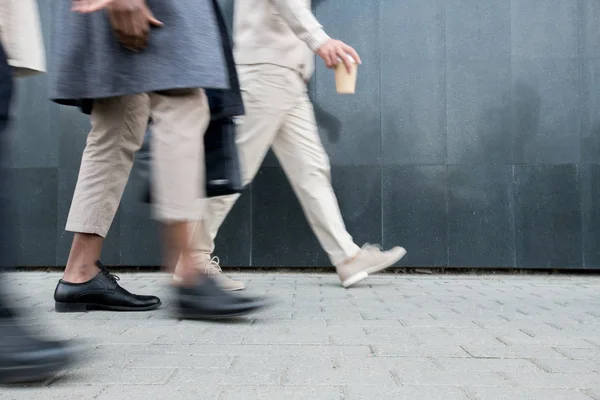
column 23, row 357
column 274, row 43
column 134, row 61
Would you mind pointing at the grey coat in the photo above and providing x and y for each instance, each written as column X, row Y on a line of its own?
column 87, row 62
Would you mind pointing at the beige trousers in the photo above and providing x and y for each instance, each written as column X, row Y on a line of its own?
column 180, row 118
column 279, row 114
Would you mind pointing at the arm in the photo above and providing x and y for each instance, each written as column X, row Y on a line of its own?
column 304, row 24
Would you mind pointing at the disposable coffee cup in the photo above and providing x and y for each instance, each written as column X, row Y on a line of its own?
column 345, row 82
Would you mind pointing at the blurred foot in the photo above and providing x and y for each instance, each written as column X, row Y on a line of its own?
column 206, row 300
column 100, row 293
column 25, row 358
column 212, row 267
column 371, row 259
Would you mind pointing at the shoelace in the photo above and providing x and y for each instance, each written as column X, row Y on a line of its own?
column 213, row 265
column 106, row 272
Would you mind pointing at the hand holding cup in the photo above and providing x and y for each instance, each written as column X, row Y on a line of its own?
column 345, row 60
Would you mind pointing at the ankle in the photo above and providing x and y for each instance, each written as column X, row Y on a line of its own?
column 187, row 273
column 187, row 281
column 351, row 259
column 81, row 273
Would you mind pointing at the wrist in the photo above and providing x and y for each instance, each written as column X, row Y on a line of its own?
column 318, row 40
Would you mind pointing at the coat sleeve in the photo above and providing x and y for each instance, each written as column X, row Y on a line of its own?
column 301, row 20
column 21, row 35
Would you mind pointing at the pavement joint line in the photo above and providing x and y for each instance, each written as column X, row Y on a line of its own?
column 169, row 377
column 232, row 359
column 447, row 331
column 527, row 332
column 470, row 395
column 104, row 389
column 396, row 378
column 540, row 366
column 588, row 393
column 553, row 325
column 506, row 377
column 502, row 341
column 437, row 363
column 478, row 324
column 591, row 342
column 372, row 351
column 562, row 353
column 467, row 351
column 334, row 363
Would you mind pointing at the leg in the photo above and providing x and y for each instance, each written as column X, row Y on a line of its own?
column 303, row 158
column 267, row 101
column 23, row 357
column 118, row 126
column 306, row 164
column 117, row 133
column 180, row 120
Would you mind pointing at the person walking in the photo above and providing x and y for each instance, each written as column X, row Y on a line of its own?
column 23, row 356
column 135, row 61
column 274, row 42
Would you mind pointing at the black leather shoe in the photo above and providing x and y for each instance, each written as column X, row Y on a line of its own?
column 207, row 300
column 25, row 358
column 101, row 293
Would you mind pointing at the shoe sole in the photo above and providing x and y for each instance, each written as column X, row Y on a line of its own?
column 61, row 307
column 225, row 289
column 212, row 317
column 361, row 276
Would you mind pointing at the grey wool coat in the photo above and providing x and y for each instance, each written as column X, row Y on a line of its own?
column 87, row 62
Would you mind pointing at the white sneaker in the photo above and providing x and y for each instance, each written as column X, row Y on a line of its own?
column 369, row 260
column 213, row 268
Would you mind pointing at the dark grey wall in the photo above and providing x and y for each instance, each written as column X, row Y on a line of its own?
column 473, row 140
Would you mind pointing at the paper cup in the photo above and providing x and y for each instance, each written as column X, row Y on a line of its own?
column 345, row 82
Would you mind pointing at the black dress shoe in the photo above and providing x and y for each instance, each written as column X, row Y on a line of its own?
column 207, row 300
column 25, row 358
column 101, row 293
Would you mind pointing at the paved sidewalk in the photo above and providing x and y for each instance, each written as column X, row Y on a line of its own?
column 396, row 337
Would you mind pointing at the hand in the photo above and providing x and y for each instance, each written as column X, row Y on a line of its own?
column 131, row 21
column 333, row 50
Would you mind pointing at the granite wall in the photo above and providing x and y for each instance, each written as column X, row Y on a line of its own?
column 473, row 141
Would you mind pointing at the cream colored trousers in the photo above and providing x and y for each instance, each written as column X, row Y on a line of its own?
column 180, row 118
column 279, row 114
